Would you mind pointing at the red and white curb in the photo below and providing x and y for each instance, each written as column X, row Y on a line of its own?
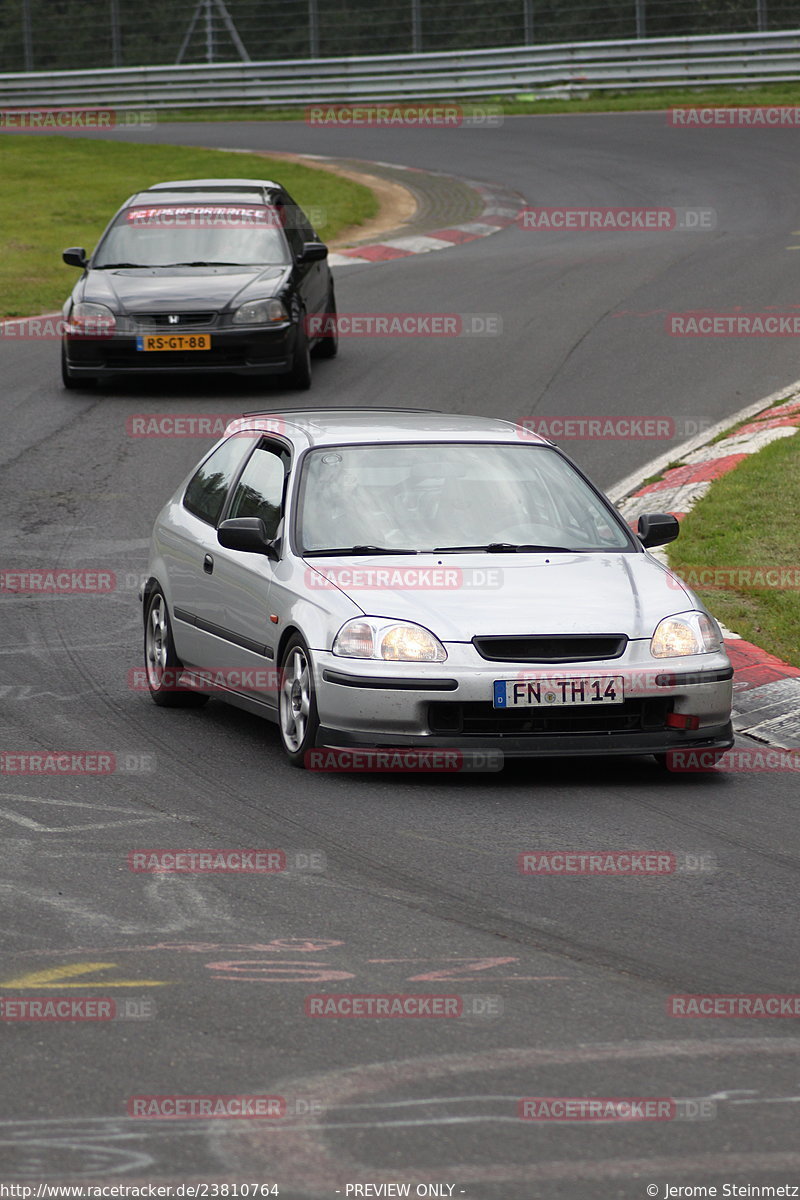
column 766, row 690
column 501, row 208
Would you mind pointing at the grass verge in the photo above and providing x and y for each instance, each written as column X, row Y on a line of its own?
column 645, row 99
column 61, row 192
column 746, row 520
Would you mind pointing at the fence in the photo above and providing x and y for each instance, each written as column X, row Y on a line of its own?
column 578, row 66
column 54, row 35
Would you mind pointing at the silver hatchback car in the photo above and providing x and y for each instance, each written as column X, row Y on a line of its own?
column 412, row 579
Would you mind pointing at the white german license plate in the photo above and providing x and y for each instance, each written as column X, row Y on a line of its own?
column 174, row 341
column 558, row 692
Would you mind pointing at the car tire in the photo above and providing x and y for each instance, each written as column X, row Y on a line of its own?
column 328, row 346
column 298, row 719
column 300, row 372
column 70, row 382
column 161, row 662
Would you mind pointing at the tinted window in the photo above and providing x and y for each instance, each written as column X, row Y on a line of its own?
column 209, row 485
column 292, row 227
column 165, row 235
column 259, row 492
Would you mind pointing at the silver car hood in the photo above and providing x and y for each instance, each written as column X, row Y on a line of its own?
column 464, row 595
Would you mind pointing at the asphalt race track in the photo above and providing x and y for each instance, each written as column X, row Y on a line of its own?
column 403, row 884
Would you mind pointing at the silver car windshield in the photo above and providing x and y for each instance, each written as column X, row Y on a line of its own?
column 448, row 497
column 218, row 235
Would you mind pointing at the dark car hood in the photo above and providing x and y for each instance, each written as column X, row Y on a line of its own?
column 145, row 289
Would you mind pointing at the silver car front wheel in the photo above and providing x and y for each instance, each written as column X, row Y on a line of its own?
column 297, row 706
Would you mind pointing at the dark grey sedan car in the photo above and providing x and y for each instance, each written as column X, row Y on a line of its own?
column 197, row 276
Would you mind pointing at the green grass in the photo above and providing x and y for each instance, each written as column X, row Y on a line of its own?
column 747, row 519
column 646, row 99
column 61, row 192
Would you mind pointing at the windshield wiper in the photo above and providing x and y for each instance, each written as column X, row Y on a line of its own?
column 344, row 550
column 110, row 266
column 503, row 548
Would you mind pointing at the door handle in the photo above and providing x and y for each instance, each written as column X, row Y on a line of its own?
column 208, row 565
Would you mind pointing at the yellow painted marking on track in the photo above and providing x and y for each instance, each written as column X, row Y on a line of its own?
column 54, row 977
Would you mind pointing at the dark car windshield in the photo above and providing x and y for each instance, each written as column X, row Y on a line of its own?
column 195, row 235
column 444, row 495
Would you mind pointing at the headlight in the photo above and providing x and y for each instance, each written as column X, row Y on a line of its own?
column 91, row 320
column 391, row 641
column 260, row 312
column 686, row 633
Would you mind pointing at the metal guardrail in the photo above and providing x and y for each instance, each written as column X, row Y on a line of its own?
column 574, row 66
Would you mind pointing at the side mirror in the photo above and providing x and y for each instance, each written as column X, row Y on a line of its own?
column 656, row 529
column 246, row 533
column 75, row 256
column 313, row 252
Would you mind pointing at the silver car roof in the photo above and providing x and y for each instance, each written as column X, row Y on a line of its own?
column 307, row 427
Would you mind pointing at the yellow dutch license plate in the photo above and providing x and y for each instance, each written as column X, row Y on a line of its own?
column 174, row 341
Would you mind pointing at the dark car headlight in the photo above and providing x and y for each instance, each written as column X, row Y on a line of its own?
column 91, row 320
column 260, row 312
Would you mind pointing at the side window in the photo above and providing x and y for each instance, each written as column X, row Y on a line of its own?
column 259, row 492
column 304, row 225
column 208, row 487
column 297, row 226
column 289, row 218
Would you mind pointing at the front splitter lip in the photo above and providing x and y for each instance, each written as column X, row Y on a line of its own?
column 277, row 367
column 719, row 737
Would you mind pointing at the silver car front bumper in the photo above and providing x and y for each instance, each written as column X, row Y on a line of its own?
column 368, row 703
